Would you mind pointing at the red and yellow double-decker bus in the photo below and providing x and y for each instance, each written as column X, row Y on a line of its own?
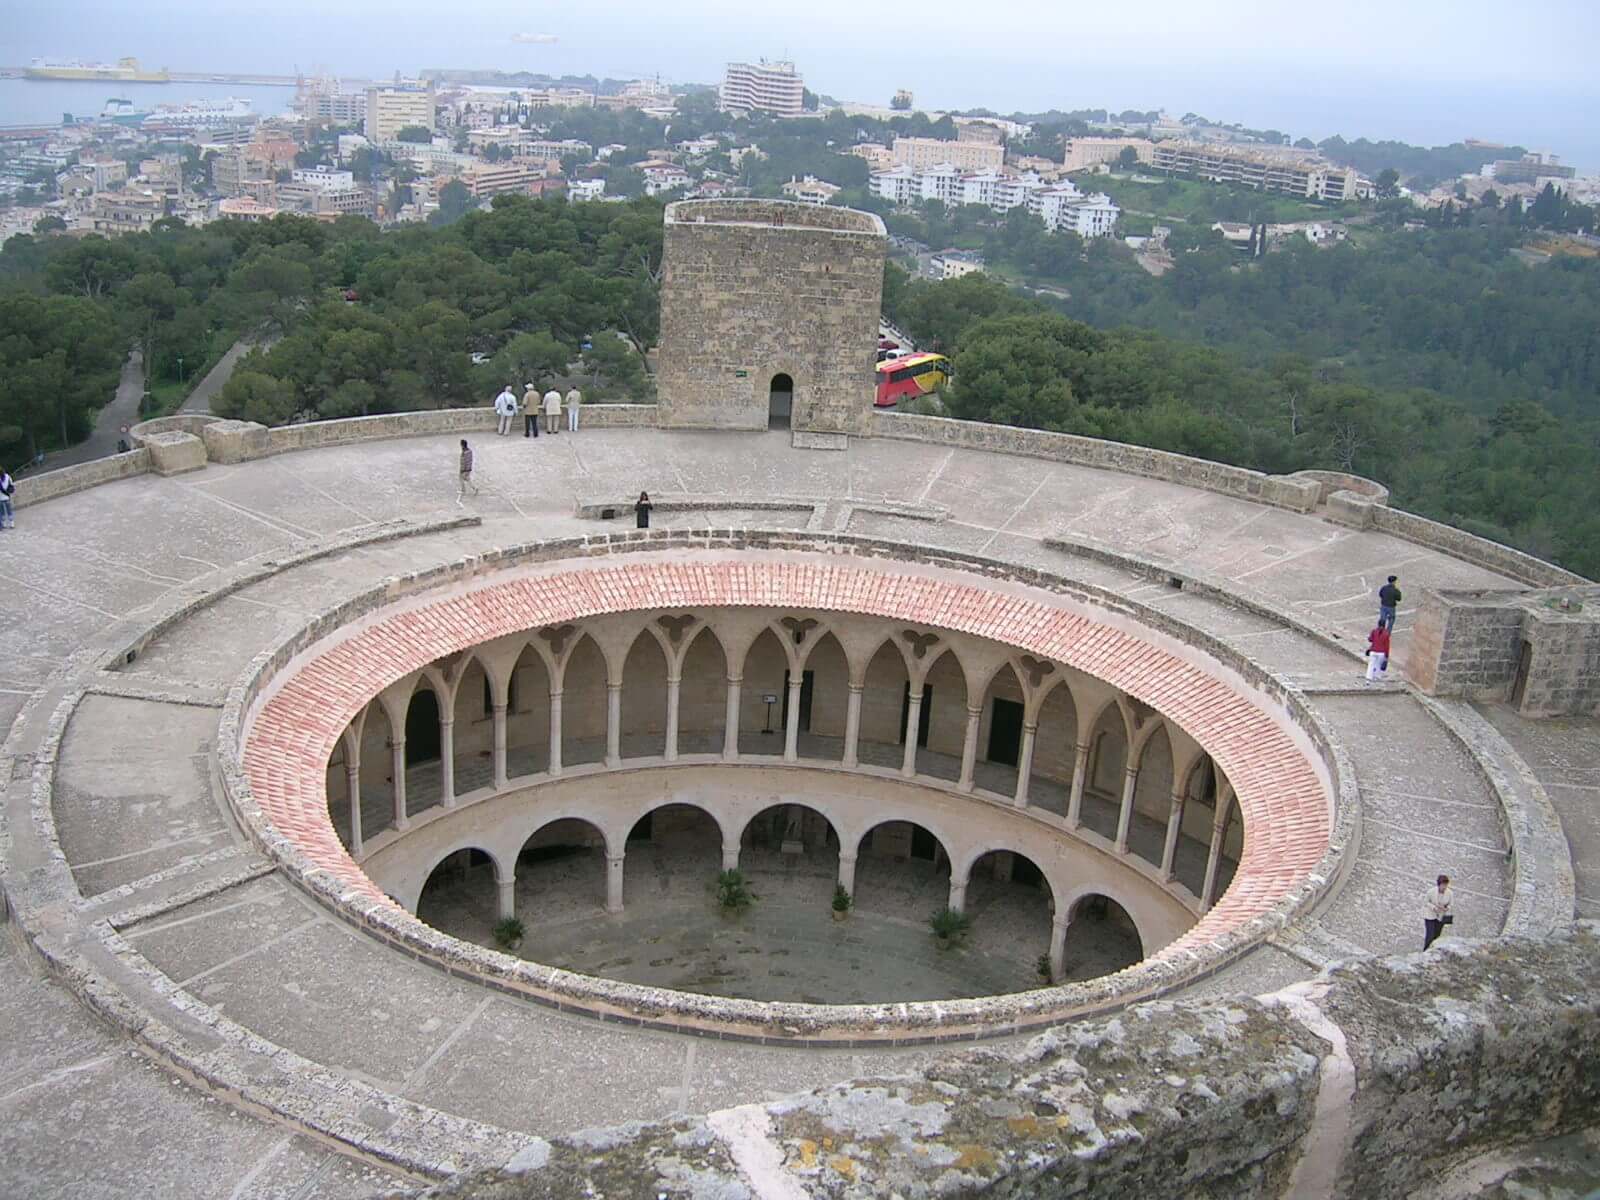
column 913, row 375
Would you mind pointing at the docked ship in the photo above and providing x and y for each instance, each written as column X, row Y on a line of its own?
column 126, row 70
column 199, row 114
column 121, row 111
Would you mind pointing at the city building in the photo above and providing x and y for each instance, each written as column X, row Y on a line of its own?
column 811, row 190
column 662, row 177
column 923, row 152
column 1086, row 153
column 1000, row 191
column 391, row 109
column 243, row 208
column 131, row 210
column 586, row 189
column 878, row 156
column 1530, row 168
column 1064, row 209
column 953, row 264
column 900, row 185
column 1302, row 173
column 775, row 88
column 513, row 175
column 164, row 173
column 324, row 101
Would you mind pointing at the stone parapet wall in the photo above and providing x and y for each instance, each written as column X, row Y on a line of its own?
column 1282, row 491
column 1364, row 1084
column 50, row 485
column 1469, row 547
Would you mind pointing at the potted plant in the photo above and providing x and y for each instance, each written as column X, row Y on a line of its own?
column 508, row 933
column 732, row 892
column 841, row 902
column 948, row 926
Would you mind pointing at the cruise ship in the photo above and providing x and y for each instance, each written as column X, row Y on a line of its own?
column 198, row 114
column 126, row 70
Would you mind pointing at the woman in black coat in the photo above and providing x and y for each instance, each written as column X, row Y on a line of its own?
column 641, row 510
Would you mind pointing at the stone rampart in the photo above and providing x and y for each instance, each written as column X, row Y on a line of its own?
column 1364, row 1084
column 49, row 485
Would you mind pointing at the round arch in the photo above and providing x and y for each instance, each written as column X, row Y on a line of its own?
column 467, row 867
column 1102, row 937
column 562, row 859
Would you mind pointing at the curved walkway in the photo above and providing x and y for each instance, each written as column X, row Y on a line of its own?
column 159, row 858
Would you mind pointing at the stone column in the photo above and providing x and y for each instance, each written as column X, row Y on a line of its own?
column 730, row 854
column 1080, row 773
column 908, row 764
column 958, row 894
column 397, row 764
column 673, row 688
column 499, row 747
column 508, row 895
column 1169, row 849
column 1130, row 781
column 1030, row 731
column 614, row 883
column 730, row 720
column 852, row 725
column 613, row 724
column 447, row 761
column 847, row 873
column 1219, row 826
column 352, row 784
column 969, row 749
column 791, row 727
column 1058, row 946
column 555, row 732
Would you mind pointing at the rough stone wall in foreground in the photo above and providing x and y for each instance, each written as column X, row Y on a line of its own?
column 1366, row 1082
column 756, row 288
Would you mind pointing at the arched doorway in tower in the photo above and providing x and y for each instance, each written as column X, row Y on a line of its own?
column 780, row 401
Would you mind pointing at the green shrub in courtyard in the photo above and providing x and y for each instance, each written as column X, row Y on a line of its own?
column 508, row 932
column 948, row 924
column 841, row 898
column 732, row 891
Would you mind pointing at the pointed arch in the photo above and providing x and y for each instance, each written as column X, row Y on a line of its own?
column 761, row 723
column 528, row 713
column 883, row 695
column 583, row 702
column 703, row 694
column 827, row 698
column 644, row 696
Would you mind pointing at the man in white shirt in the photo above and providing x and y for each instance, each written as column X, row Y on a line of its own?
column 1436, row 911
column 574, row 400
column 505, row 407
column 552, row 410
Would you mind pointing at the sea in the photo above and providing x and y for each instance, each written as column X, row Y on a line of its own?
column 48, row 101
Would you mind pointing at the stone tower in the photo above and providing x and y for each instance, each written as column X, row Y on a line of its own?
column 769, row 315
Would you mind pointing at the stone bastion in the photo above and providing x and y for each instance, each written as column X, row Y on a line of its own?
column 208, row 838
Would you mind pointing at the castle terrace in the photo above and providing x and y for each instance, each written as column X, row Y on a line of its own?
column 184, row 972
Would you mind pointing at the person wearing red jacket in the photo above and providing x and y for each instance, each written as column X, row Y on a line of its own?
column 1377, row 653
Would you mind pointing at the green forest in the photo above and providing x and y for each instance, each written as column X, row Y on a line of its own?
column 1427, row 356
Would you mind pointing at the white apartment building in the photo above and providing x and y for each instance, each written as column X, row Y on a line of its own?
column 1064, row 209
column 953, row 264
column 901, row 186
column 999, row 190
column 811, row 190
column 923, row 152
column 324, row 178
column 769, row 87
column 586, row 189
column 941, row 182
column 663, row 177
column 391, row 109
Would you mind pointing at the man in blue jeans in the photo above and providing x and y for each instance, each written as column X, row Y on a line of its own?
column 1388, row 601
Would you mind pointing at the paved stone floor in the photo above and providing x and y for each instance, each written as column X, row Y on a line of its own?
column 138, row 814
column 786, row 945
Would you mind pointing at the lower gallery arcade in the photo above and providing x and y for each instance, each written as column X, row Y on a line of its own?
column 914, row 767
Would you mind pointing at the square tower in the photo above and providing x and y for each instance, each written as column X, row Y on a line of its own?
column 769, row 315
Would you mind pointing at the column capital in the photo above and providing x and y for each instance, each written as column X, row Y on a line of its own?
column 614, row 860
column 555, row 693
column 858, row 686
column 974, row 712
column 1061, row 921
column 1082, row 748
column 499, row 706
column 739, row 678
column 847, row 858
column 610, row 687
column 1030, row 726
column 397, row 743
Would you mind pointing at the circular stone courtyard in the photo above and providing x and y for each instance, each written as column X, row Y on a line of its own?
column 217, row 847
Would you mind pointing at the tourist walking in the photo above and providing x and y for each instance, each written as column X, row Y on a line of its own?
column 466, row 472
column 505, row 407
column 641, row 510
column 1377, row 653
column 530, row 411
column 552, row 410
column 574, row 402
column 1436, row 911
column 8, row 488
column 1388, row 601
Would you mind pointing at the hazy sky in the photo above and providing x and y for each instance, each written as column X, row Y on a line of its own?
column 1422, row 70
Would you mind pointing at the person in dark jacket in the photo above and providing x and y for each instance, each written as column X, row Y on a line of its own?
column 641, row 510
column 1388, row 601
